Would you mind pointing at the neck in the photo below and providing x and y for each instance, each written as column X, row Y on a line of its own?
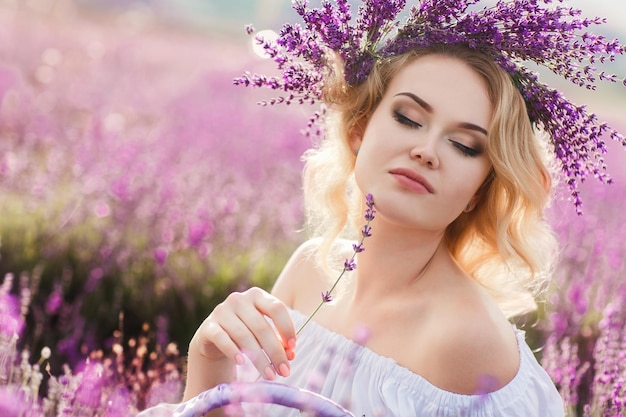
column 395, row 260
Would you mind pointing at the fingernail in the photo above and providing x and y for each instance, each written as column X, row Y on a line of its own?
column 269, row 373
column 284, row 369
column 290, row 354
column 239, row 359
column 291, row 343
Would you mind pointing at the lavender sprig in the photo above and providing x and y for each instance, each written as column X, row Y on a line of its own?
column 350, row 263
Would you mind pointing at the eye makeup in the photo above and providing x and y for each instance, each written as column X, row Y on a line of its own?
column 405, row 120
column 466, row 142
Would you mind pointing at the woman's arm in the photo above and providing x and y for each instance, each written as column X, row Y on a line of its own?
column 238, row 328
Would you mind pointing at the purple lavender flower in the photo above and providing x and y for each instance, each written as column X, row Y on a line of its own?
column 511, row 32
column 358, row 247
column 350, row 263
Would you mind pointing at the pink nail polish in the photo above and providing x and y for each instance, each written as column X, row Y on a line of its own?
column 291, row 343
column 269, row 373
column 239, row 359
column 283, row 369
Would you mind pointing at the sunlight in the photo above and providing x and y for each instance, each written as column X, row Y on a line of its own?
column 266, row 36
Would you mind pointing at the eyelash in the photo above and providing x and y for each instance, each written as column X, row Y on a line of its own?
column 403, row 120
column 465, row 150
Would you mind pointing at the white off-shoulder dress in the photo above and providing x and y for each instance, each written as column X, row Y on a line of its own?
column 371, row 385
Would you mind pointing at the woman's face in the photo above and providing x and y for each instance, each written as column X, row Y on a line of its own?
column 423, row 153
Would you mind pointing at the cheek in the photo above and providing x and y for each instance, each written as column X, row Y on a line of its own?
column 469, row 179
column 371, row 154
column 360, row 168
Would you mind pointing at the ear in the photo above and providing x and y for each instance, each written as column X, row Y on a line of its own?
column 355, row 135
column 473, row 202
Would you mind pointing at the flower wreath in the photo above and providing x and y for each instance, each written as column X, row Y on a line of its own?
column 511, row 32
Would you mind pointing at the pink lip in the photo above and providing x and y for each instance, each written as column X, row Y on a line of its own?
column 412, row 180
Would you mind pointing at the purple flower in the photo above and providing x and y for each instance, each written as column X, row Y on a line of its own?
column 349, row 264
column 512, row 32
column 160, row 255
column 358, row 247
column 55, row 301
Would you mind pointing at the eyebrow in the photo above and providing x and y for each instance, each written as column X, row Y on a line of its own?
column 429, row 109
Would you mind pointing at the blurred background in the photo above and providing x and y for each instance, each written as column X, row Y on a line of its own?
column 139, row 186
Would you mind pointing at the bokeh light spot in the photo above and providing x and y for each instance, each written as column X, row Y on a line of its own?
column 267, row 36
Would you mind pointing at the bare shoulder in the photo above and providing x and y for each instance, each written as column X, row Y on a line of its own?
column 474, row 348
column 302, row 279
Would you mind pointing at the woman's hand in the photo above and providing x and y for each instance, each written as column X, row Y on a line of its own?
column 238, row 328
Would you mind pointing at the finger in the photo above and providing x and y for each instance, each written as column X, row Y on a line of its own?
column 278, row 312
column 284, row 328
column 246, row 327
column 218, row 340
column 252, row 309
column 226, row 334
column 237, row 333
column 273, row 352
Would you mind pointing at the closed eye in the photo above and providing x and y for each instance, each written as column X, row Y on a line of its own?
column 403, row 120
column 466, row 150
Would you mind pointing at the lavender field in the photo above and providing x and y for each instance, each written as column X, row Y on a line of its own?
column 139, row 186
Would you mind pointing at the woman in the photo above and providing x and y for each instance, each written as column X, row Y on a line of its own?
column 443, row 143
column 436, row 125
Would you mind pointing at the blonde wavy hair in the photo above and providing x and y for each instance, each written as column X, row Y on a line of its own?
column 504, row 243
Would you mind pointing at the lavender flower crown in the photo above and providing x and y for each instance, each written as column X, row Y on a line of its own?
column 511, row 32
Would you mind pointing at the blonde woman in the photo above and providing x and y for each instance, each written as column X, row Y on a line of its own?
column 441, row 139
column 439, row 125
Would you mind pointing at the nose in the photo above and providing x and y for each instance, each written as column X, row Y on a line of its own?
column 425, row 153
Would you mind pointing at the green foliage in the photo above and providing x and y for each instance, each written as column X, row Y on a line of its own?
column 79, row 294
